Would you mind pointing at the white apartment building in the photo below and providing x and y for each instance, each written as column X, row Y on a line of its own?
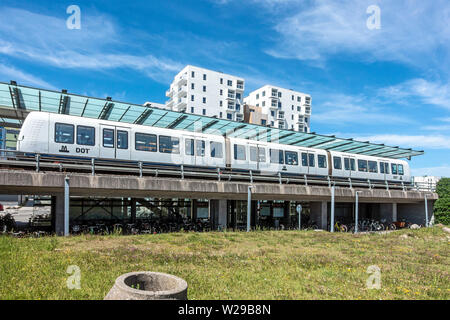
column 206, row 92
column 285, row 108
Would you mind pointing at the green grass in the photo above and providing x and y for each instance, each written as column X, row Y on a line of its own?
column 235, row 265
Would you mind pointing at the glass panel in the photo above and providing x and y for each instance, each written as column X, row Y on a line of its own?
column 85, row 136
column 239, row 152
column 291, row 158
column 373, row 167
column 145, row 142
column 108, row 138
column 276, row 156
column 353, row 164
column 400, row 169
column 322, row 161
column 304, row 159
column 64, row 133
column 122, row 139
column 311, row 160
column 254, row 154
column 347, row 163
column 386, row 167
column 262, row 154
column 337, row 162
column 216, row 149
column 381, row 167
column 200, row 148
column 169, row 144
column 189, row 147
column 362, row 165
column 394, row 168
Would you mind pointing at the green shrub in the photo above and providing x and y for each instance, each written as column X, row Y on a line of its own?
column 442, row 205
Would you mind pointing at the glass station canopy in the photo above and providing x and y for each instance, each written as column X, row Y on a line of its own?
column 17, row 101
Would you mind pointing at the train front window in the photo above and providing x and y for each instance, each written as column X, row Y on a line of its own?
column 122, row 139
column 216, row 150
column 373, row 167
column 85, row 136
column 322, row 161
column 200, row 148
column 64, row 133
column 337, row 161
column 394, row 168
column 189, row 147
column 145, row 142
column 276, row 156
column 400, row 170
column 169, row 144
column 291, row 158
column 239, row 152
column 362, row 165
column 108, row 138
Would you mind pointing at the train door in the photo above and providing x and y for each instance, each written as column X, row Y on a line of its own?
column 258, row 159
column 114, row 142
column 189, row 151
column 312, row 163
column 200, row 152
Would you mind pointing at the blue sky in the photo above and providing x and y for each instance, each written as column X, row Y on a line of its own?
column 389, row 85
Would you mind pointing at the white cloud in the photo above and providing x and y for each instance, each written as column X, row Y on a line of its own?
column 428, row 92
column 441, row 171
column 411, row 31
column 11, row 73
column 412, row 141
column 97, row 46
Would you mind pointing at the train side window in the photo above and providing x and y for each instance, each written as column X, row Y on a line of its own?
column 304, row 159
column 216, row 150
column 122, row 139
column 200, row 144
column 169, row 144
column 85, row 136
column 322, row 161
column 311, row 161
column 108, row 138
column 64, row 133
column 373, row 167
column 145, row 142
column 362, row 165
column 253, row 154
column 381, row 167
column 347, row 163
column 386, row 167
column 261, row 154
column 189, row 147
column 239, row 152
column 400, row 170
column 276, row 156
column 394, row 168
column 291, row 158
column 337, row 161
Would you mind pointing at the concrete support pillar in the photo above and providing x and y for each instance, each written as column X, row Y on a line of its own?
column 394, row 212
column 218, row 214
column 319, row 214
column 59, row 213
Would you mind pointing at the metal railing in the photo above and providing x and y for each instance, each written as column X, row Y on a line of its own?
column 38, row 162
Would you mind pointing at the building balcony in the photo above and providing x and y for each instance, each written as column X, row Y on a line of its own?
column 169, row 93
column 181, row 80
column 240, row 86
column 169, row 103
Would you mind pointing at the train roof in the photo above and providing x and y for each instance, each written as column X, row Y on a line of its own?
column 16, row 101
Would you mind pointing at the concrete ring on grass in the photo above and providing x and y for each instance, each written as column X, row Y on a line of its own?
column 145, row 285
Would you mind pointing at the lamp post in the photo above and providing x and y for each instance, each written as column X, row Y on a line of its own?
column 356, row 210
column 332, row 209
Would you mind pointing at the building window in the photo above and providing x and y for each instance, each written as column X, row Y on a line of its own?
column 238, row 107
column 221, row 92
column 230, row 82
column 229, row 116
column 204, row 100
column 192, row 97
column 193, row 74
column 221, row 103
column 263, row 103
column 192, row 86
column 272, row 113
column 263, row 122
column 298, row 108
column 204, row 88
column 264, row 93
column 292, row 97
column 221, row 80
column 85, row 136
column 204, row 76
column 192, row 109
column 220, row 115
column 272, row 123
column 257, row 104
column 204, row 112
column 299, row 99
column 257, row 96
column 64, row 133
column 279, row 94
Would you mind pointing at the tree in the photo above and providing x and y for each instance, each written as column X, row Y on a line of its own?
column 442, row 205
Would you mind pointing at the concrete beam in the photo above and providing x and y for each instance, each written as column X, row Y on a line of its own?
column 84, row 184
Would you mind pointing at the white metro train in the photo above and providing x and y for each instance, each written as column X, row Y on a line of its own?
column 72, row 136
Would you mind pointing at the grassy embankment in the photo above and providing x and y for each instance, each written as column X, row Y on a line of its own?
column 235, row 265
